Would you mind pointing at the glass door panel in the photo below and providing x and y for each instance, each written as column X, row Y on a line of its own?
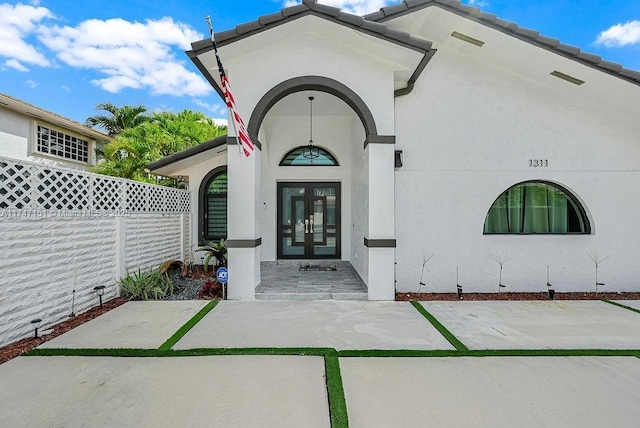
column 308, row 220
column 291, row 223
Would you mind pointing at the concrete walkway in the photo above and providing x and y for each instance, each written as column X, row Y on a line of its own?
column 492, row 392
column 291, row 391
column 237, row 391
column 559, row 324
column 132, row 325
column 333, row 324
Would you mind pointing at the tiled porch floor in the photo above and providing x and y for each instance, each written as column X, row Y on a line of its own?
column 283, row 280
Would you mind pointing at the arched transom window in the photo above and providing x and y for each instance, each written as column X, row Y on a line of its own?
column 535, row 207
column 295, row 157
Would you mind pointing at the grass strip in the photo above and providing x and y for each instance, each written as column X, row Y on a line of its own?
column 335, row 390
column 323, row 352
column 188, row 325
column 162, row 353
column 491, row 353
column 442, row 329
column 621, row 305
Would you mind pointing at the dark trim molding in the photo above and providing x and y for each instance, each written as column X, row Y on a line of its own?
column 233, row 141
column 191, row 151
column 414, row 77
column 314, row 83
column 244, row 243
column 379, row 139
column 379, row 243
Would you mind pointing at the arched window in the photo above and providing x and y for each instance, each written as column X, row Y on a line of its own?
column 295, row 158
column 535, row 207
column 213, row 206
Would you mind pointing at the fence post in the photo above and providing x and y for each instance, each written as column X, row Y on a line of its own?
column 120, row 256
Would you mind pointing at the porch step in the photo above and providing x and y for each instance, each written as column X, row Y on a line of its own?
column 309, row 280
column 311, row 296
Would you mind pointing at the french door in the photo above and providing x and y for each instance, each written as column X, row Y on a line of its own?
column 308, row 220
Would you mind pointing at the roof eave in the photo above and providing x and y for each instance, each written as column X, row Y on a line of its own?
column 185, row 154
column 512, row 29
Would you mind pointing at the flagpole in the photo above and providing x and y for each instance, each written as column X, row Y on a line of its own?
column 215, row 49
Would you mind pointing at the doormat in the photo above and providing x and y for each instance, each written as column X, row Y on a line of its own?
column 318, row 268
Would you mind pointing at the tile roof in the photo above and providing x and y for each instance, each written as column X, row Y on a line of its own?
column 510, row 28
column 311, row 7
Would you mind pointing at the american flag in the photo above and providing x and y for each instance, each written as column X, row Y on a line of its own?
column 244, row 140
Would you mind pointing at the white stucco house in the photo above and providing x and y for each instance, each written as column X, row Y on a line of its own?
column 442, row 133
column 29, row 133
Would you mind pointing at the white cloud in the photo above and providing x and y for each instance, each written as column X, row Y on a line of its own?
column 30, row 83
column 15, row 64
column 217, row 109
column 478, row 3
column 129, row 54
column 17, row 22
column 620, row 35
column 66, row 88
column 357, row 7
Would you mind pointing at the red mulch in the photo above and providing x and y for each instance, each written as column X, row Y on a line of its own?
column 517, row 296
column 18, row 348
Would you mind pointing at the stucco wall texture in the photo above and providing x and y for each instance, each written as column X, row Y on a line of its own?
column 45, row 256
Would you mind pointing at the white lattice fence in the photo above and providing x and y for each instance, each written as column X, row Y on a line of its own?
column 25, row 185
column 81, row 230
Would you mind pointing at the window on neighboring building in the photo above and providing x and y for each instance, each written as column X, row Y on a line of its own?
column 536, row 208
column 213, row 211
column 57, row 143
column 296, row 158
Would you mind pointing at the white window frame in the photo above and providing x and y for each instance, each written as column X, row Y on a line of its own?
column 66, row 133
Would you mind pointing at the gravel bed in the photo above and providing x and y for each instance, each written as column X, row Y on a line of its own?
column 184, row 288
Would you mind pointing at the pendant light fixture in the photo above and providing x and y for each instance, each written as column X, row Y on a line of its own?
column 311, row 152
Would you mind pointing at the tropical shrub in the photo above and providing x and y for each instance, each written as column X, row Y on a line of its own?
column 145, row 285
column 217, row 251
column 211, row 288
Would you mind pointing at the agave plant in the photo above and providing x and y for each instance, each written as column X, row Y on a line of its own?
column 216, row 250
column 145, row 285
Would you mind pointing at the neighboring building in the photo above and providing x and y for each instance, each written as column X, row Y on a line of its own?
column 445, row 134
column 33, row 134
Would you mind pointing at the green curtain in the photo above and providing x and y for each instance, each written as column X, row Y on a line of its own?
column 529, row 208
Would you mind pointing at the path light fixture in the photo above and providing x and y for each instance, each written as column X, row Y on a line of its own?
column 100, row 292
column 36, row 323
column 552, row 292
column 311, row 151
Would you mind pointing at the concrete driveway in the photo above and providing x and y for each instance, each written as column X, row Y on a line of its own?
column 435, row 386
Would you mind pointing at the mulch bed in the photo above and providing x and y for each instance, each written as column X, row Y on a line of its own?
column 517, row 296
column 18, row 348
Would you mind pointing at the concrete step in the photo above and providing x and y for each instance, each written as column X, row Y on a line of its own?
column 311, row 296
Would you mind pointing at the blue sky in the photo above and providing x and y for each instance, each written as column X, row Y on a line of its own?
column 68, row 55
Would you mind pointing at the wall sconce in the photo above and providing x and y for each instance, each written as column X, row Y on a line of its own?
column 36, row 323
column 100, row 292
column 398, row 159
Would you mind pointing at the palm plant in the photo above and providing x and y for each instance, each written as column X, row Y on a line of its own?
column 119, row 119
column 216, row 250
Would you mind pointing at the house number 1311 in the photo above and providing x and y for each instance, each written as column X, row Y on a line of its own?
column 538, row 163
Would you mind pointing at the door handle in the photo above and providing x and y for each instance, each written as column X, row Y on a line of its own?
column 306, row 226
column 311, row 225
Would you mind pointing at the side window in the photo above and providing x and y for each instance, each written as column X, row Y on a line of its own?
column 535, row 207
column 213, row 206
